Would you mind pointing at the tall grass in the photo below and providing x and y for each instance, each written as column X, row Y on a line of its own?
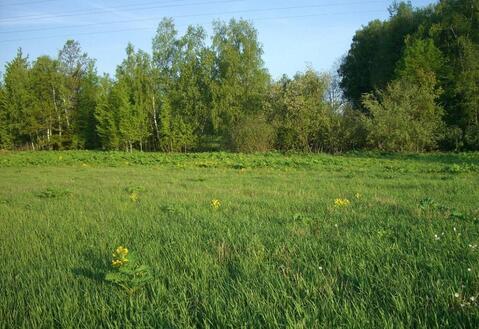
column 277, row 252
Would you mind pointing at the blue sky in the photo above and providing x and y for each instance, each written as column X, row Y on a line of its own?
column 294, row 34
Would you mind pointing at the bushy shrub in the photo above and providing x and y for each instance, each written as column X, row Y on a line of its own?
column 471, row 137
column 251, row 134
column 404, row 117
column 352, row 129
column 453, row 139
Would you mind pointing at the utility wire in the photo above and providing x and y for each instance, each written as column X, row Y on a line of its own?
column 141, row 6
column 25, row 3
column 192, row 15
column 149, row 28
column 130, row 7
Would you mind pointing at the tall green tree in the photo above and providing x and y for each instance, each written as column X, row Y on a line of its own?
column 74, row 65
column 191, row 97
column 240, row 80
column 135, row 92
column 376, row 49
column 15, row 107
column 183, row 68
column 5, row 138
column 48, row 91
column 127, row 120
column 443, row 38
column 106, row 115
column 85, row 135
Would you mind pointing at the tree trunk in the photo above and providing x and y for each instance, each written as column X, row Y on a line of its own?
column 58, row 116
column 155, row 121
column 49, row 129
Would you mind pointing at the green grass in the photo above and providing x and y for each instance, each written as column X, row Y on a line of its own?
column 277, row 253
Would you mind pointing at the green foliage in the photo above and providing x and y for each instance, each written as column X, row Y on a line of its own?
column 404, row 117
column 106, row 116
column 134, row 93
column 175, row 134
column 252, row 134
column 5, row 138
column 165, row 126
column 127, row 120
column 137, row 189
column 16, row 100
column 375, row 51
column 53, row 192
column 47, row 110
column 127, row 273
column 182, row 137
column 435, row 209
column 441, row 39
column 300, row 113
column 240, row 83
column 45, row 104
column 193, row 95
column 471, row 136
column 420, row 60
column 353, row 129
column 75, row 68
column 86, row 136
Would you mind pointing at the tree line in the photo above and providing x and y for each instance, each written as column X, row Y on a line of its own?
column 409, row 83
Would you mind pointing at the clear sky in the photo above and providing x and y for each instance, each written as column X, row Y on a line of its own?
column 294, row 34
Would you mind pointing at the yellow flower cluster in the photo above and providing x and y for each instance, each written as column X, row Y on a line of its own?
column 341, row 202
column 134, row 196
column 120, row 257
column 215, row 203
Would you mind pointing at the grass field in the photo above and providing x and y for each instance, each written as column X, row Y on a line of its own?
column 277, row 252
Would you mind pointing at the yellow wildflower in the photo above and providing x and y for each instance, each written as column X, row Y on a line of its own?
column 341, row 202
column 116, row 263
column 119, row 257
column 134, row 196
column 215, row 203
column 120, row 251
column 358, row 196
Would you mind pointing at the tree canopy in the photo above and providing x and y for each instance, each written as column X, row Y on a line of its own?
column 409, row 83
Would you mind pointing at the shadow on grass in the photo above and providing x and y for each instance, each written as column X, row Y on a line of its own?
column 95, row 266
column 89, row 274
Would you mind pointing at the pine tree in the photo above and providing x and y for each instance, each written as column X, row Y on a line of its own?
column 106, row 116
column 16, row 109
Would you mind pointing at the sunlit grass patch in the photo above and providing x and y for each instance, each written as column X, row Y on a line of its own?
column 277, row 252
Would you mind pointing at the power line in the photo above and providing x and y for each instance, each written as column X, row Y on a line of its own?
column 149, row 28
column 131, row 7
column 193, row 15
column 168, row 5
column 26, row 3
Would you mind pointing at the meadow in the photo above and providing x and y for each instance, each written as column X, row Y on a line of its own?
column 273, row 240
